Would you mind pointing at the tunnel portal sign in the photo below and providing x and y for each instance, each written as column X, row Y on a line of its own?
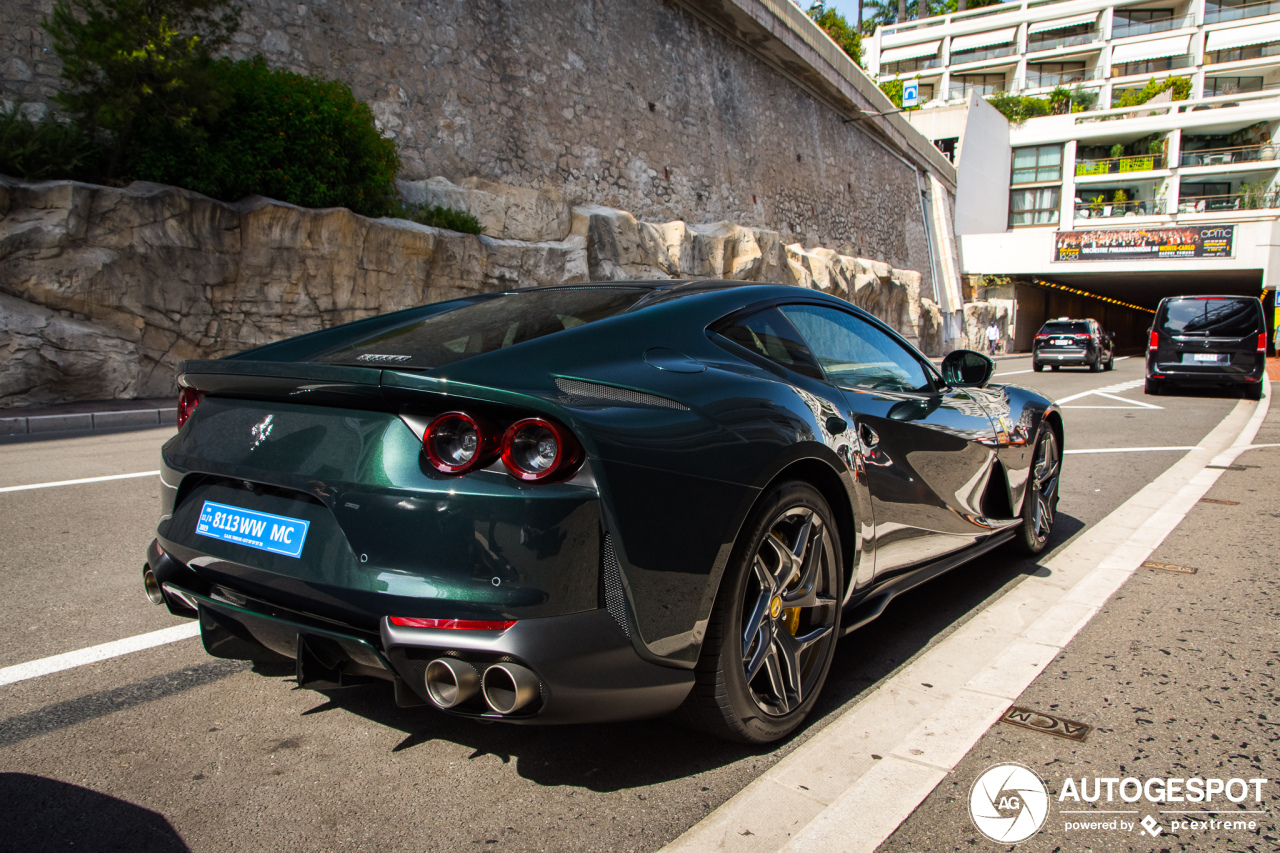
column 1140, row 244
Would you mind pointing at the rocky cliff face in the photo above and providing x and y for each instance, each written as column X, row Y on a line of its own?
column 104, row 290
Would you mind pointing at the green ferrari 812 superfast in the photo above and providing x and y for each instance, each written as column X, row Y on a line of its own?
column 588, row 502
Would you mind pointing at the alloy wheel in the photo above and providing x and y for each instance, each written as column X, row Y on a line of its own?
column 789, row 611
column 1045, row 472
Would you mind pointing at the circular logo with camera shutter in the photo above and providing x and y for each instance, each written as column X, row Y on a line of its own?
column 1008, row 803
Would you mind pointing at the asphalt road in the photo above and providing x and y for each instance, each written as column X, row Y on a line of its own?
column 168, row 749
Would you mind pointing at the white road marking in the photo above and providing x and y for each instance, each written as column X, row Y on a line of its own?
column 78, row 482
column 1109, row 389
column 830, row 794
column 1012, row 373
column 93, row 654
column 1125, row 450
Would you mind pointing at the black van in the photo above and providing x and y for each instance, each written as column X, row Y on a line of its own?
column 1208, row 339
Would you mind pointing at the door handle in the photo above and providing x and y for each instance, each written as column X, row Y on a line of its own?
column 868, row 436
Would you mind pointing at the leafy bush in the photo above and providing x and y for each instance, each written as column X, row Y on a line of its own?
column 300, row 139
column 442, row 217
column 1181, row 87
column 134, row 67
column 840, row 30
column 45, row 149
column 1019, row 108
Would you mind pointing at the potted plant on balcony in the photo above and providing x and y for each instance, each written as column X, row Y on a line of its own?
column 1119, row 203
column 1267, row 151
column 1117, row 151
column 1095, row 206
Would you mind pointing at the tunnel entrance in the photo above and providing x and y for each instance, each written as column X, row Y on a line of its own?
column 1124, row 303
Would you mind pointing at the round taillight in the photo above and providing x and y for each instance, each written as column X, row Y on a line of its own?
column 535, row 450
column 188, row 399
column 456, row 443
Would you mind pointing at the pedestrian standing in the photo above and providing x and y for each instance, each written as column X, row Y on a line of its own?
column 993, row 337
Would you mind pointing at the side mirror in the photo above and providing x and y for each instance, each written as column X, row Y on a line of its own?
column 965, row 368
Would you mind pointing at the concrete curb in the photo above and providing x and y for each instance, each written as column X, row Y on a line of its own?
column 81, row 421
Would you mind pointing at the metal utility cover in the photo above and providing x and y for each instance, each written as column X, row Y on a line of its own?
column 1168, row 567
column 1038, row 721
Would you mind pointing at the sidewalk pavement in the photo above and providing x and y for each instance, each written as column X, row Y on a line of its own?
column 86, row 416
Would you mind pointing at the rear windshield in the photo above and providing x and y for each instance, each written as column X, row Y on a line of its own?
column 1220, row 317
column 1065, row 328
column 474, row 328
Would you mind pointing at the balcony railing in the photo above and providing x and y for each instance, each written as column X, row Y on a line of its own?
column 1054, row 42
column 1226, row 156
column 1111, row 210
column 956, row 93
column 1120, row 165
column 908, row 65
column 1238, row 54
column 1215, row 13
column 1122, row 28
column 1152, row 66
column 1039, row 79
column 1230, row 201
column 983, row 53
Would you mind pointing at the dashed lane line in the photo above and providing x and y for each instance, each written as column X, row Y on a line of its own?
column 1125, row 449
column 93, row 654
column 80, row 481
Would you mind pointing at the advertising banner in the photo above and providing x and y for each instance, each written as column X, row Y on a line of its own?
column 1140, row 244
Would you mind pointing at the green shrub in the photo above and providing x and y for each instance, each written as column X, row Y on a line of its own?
column 1181, row 87
column 132, row 68
column 300, row 139
column 841, row 31
column 1019, row 108
column 442, row 217
column 45, row 149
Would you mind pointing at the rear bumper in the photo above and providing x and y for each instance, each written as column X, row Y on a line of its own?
column 1071, row 356
column 587, row 668
column 1190, row 374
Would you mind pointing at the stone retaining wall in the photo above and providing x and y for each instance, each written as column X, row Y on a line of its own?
column 104, row 290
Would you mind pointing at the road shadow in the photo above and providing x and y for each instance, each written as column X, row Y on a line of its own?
column 619, row 756
column 45, row 814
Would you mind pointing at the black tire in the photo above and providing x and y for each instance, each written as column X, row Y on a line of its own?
column 1038, row 368
column 1111, row 362
column 1040, row 504
column 1152, row 387
column 763, row 663
column 1253, row 392
column 1097, row 365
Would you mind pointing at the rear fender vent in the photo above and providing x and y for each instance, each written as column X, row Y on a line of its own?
column 598, row 391
column 614, row 597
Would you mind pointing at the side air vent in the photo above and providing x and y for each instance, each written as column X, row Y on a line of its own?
column 614, row 599
column 597, row 391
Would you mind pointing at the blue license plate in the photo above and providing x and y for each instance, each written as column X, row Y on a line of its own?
column 262, row 530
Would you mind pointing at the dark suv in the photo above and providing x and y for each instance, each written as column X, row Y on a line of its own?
column 1208, row 340
column 1077, row 342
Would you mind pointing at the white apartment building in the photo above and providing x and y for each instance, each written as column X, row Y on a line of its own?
column 1132, row 203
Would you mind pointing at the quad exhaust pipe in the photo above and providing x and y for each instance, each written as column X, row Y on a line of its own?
column 508, row 687
column 451, row 682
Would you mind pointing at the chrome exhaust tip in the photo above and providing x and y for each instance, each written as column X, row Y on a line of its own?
column 451, row 682
column 508, row 687
column 151, row 586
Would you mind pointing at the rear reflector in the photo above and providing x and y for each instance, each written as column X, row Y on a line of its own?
column 453, row 624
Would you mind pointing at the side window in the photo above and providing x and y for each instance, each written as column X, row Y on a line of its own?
column 853, row 352
column 768, row 334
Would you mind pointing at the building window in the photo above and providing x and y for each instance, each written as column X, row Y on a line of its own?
column 1138, row 22
column 1235, row 54
column 909, row 65
column 985, row 84
column 1054, row 74
column 1037, row 164
column 979, row 53
column 1065, row 37
column 1214, row 86
column 1151, row 66
column 947, row 146
column 1035, row 206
